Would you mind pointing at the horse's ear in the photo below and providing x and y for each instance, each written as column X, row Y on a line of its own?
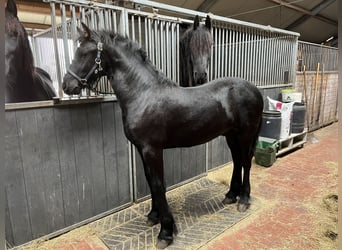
column 12, row 7
column 196, row 22
column 208, row 22
column 85, row 32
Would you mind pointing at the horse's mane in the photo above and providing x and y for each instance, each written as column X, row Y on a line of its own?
column 112, row 38
column 198, row 41
column 14, row 27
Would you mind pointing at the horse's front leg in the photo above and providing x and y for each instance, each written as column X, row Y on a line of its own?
column 153, row 165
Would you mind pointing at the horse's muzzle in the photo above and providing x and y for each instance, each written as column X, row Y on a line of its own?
column 71, row 86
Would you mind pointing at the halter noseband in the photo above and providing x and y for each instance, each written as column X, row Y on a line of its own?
column 94, row 70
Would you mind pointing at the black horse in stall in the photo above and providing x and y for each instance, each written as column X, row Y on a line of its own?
column 194, row 53
column 23, row 82
column 157, row 114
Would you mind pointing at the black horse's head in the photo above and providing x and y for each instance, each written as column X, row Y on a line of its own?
column 196, row 46
column 87, row 66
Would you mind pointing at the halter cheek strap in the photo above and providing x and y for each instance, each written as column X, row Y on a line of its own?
column 94, row 70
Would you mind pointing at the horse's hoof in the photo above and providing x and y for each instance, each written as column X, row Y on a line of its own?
column 242, row 207
column 161, row 244
column 228, row 200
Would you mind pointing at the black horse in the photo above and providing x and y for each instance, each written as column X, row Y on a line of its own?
column 23, row 82
column 157, row 114
column 195, row 50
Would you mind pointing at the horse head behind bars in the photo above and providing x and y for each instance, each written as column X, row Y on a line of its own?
column 195, row 52
column 158, row 114
column 23, row 82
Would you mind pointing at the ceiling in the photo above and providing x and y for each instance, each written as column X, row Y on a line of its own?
column 315, row 20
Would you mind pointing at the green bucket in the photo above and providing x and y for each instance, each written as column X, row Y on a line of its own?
column 265, row 151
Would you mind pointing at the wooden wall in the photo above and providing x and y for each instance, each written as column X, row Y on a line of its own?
column 63, row 165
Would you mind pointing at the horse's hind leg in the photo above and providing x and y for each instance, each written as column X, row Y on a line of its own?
column 236, row 180
column 242, row 148
column 153, row 166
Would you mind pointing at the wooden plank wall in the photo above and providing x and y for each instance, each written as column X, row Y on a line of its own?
column 218, row 153
column 63, row 165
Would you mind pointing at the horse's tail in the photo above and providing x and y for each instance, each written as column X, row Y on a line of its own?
column 42, row 78
column 256, row 137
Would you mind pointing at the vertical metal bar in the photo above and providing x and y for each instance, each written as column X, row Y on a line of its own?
column 173, row 47
column 259, row 58
column 150, row 40
column 252, row 53
column 216, row 53
column 55, row 46
column 230, row 59
column 219, row 50
column 124, row 22
column 211, row 65
column 92, row 19
column 65, row 35
column 263, row 65
column 226, row 59
column 139, row 30
column 107, row 23
column 147, row 37
column 244, row 53
column 162, row 46
column 73, row 28
column 267, row 62
column 156, row 44
column 133, row 27
column 176, row 42
column 294, row 58
column 168, row 58
column 282, row 59
column 115, row 23
column 238, row 57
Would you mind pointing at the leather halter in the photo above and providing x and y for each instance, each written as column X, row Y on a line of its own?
column 96, row 69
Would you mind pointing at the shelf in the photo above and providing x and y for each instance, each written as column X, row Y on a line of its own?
column 293, row 141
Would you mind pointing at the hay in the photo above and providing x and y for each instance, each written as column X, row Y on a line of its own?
column 222, row 174
column 73, row 237
column 325, row 216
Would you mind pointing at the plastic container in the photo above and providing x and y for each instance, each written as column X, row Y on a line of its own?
column 298, row 118
column 289, row 95
column 265, row 151
column 271, row 124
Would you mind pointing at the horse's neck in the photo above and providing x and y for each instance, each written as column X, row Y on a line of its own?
column 134, row 77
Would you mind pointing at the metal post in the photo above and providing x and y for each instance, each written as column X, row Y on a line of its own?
column 55, row 46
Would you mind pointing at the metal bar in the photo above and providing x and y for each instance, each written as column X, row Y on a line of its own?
column 226, row 47
column 65, row 36
column 55, row 45
column 219, row 54
column 230, row 53
column 167, row 58
column 73, row 27
column 162, row 45
column 133, row 28
column 139, row 30
column 212, row 16
column 115, row 23
column 177, row 52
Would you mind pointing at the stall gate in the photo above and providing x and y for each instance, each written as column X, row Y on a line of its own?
column 266, row 56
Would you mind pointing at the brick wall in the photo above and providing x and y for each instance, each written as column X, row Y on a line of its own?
column 321, row 97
